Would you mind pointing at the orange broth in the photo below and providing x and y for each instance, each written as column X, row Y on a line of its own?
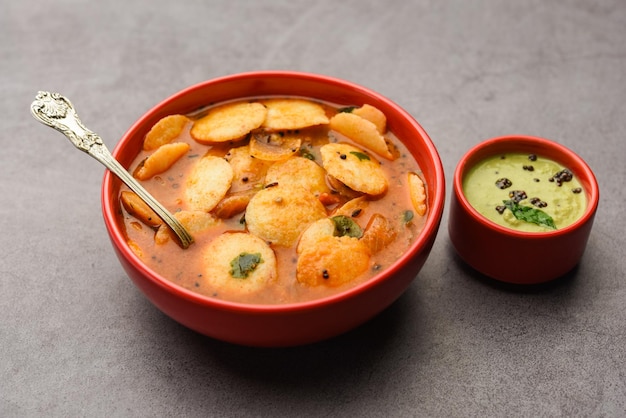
column 184, row 267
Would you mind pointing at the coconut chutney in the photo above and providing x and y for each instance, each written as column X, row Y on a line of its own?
column 525, row 192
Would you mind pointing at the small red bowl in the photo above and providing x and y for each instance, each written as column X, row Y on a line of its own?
column 290, row 324
column 513, row 256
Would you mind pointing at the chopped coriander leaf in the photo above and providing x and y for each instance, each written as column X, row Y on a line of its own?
column 347, row 109
column 306, row 154
column 407, row 216
column 244, row 264
column 361, row 156
column 346, row 226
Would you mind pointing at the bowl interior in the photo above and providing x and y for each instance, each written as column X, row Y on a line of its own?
column 286, row 84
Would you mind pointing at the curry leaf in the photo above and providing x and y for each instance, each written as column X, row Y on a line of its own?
column 529, row 214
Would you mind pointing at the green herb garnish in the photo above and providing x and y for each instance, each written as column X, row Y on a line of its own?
column 306, row 154
column 407, row 216
column 361, row 156
column 244, row 264
column 529, row 214
column 346, row 226
column 347, row 109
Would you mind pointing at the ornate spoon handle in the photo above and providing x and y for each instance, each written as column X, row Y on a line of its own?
column 57, row 112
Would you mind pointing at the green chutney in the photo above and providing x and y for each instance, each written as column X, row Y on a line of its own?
column 525, row 192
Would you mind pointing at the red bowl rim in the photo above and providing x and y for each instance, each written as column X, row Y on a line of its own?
column 501, row 144
column 430, row 227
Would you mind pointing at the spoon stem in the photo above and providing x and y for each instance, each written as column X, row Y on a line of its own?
column 57, row 112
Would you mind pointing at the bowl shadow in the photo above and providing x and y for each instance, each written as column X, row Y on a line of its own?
column 331, row 364
column 340, row 355
column 565, row 280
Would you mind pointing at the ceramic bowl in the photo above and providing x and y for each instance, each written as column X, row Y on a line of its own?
column 288, row 324
column 509, row 255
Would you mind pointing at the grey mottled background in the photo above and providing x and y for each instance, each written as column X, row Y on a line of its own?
column 78, row 339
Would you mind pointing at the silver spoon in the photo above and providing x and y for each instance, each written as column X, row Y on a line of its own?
column 57, row 112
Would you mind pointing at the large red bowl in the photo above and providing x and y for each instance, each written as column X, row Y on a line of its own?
column 513, row 256
column 290, row 324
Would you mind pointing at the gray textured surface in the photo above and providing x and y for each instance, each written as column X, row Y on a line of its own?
column 78, row 339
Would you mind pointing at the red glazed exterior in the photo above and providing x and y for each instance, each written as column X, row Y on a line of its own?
column 513, row 256
column 291, row 324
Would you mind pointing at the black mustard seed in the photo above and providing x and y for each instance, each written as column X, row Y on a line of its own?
column 503, row 183
column 517, row 195
column 538, row 202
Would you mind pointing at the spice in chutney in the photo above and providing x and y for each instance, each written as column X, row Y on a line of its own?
column 525, row 192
